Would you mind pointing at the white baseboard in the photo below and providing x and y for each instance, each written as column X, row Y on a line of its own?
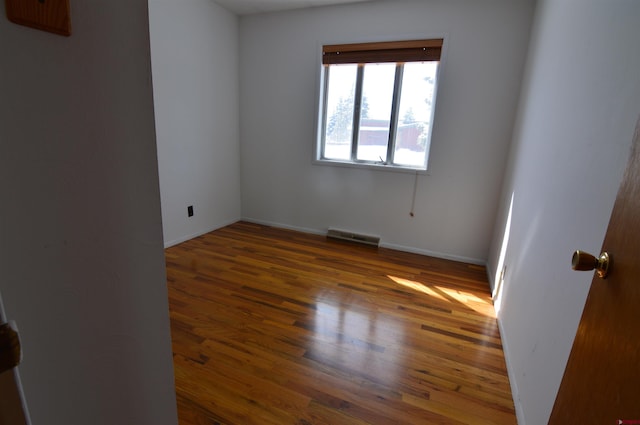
column 185, row 238
column 284, row 226
column 511, row 375
column 435, row 254
column 382, row 244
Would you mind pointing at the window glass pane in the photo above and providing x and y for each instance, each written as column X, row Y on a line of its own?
column 375, row 116
column 414, row 116
column 339, row 123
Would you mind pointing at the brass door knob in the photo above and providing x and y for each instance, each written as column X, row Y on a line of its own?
column 585, row 261
column 10, row 352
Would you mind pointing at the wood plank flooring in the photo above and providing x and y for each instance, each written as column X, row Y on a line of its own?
column 272, row 326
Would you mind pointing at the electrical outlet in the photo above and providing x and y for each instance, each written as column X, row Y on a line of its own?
column 190, row 210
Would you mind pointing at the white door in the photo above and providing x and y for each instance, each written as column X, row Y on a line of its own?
column 13, row 409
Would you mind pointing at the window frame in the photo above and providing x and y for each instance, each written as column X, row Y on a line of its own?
column 407, row 50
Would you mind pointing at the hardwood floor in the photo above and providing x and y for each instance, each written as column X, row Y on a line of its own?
column 272, row 326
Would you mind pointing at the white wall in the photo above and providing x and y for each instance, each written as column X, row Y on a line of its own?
column 194, row 49
column 580, row 102
column 455, row 205
column 81, row 255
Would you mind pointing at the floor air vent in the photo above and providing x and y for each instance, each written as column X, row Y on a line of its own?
column 353, row 237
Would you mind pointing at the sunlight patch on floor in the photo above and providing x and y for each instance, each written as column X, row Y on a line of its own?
column 443, row 293
column 417, row 286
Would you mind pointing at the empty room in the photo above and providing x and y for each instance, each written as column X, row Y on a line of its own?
column 320, row 212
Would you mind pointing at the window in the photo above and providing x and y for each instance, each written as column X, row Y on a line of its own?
column 377, row 103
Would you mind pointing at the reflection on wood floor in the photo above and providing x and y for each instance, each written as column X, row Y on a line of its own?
column 272, row 326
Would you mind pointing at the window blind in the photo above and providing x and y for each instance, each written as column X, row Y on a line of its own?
column 391, row 51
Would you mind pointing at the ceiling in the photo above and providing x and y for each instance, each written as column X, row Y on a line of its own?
column 247, row 7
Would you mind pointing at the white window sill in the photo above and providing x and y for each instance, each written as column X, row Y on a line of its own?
column 371, row 166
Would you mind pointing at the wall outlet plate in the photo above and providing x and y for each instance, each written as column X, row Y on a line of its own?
column 46, row 15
